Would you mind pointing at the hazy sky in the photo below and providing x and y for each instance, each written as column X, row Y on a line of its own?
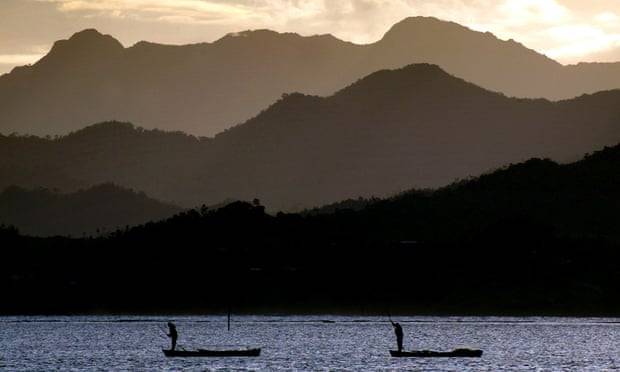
column 567, row 30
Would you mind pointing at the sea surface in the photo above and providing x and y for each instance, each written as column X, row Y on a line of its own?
column 314, row 343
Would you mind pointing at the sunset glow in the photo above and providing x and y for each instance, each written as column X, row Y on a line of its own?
column 567, row 30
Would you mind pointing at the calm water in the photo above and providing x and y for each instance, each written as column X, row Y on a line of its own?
column 309, row 343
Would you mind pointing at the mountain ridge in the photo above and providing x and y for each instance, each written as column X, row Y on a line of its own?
column 416, row 126
column 204, row 88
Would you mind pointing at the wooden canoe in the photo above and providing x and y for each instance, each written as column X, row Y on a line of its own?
column 458, row 353
column 211, row 353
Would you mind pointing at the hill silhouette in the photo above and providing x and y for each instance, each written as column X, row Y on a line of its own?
column 531, row 238
column 94, row 211
column 108, row 152
column 393, row 130
column 205, row 88
column 575, row 200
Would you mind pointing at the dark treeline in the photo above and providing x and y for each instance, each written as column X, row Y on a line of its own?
column 532, row 238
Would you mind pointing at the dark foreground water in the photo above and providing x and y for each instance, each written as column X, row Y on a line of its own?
column 308, row 343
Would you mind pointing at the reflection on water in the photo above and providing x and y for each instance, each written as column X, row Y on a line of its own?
column 308, row 343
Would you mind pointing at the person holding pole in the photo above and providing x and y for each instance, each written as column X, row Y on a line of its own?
column 398, row 330
column 172, row 334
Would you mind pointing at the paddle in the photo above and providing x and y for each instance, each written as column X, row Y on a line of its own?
column 165, row 335
column 390, row 316
column 229, row 316
column 164, row 332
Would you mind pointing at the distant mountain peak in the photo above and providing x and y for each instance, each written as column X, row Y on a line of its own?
column 412, row 26
column 421, row 20
column 265, row 35
column 259, row 34
column 420, row 69
column 105, row 126
column 90, row 37
column 412, row 77
column 86, row 44
column 87, row 34
column 423, row 68
column 436, row 37
column 422, row 24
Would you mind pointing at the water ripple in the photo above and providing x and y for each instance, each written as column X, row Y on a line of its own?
column 337, row 343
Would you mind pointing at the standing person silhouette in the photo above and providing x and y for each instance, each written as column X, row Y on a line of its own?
column 398, row 330
column 172, row 334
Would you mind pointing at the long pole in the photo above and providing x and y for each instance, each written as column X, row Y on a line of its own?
column 229, row 289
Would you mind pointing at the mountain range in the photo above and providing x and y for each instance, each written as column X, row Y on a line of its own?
column 205, row 88
column 416, row 126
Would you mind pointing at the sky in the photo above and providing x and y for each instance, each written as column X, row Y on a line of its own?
column 569, row 31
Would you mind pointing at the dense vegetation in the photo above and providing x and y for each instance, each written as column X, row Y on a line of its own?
column 535, row 237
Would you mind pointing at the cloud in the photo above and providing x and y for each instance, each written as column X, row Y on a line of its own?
column 196, row 11
column 528, row 12
column 19, row 59
column 9, row 61
column 608, row 18
column 568, row 30
column 580, row 40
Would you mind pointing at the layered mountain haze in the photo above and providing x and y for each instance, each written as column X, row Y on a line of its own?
column 200, row 89
column 393, row 130
column 204, row 88
column 97, row 210
column 111, row 152
column 413, row 127
column 313, row 174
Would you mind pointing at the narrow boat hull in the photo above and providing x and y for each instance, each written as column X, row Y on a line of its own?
column 458, row 353
column 211, row 353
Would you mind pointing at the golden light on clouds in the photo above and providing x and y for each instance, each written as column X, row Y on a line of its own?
column 580, row 40
column 168, row 10
column 567, row 30
column 19, row 59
